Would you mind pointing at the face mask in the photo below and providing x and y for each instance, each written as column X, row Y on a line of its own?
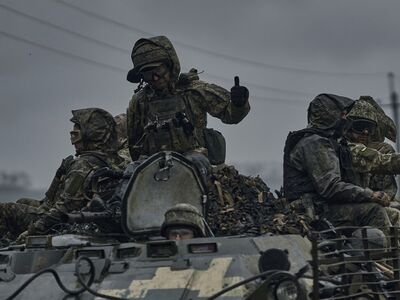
column 75, row 136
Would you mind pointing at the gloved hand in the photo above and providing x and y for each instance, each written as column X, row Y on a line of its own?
column 96, row 204
column 62, row 169
column 381, row 198
column 239, row 94
column 395, row 204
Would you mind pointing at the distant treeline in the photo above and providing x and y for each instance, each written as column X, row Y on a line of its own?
column 14, row 180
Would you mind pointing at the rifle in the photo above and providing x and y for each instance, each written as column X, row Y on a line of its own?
column 100, row 211
column 88, row 216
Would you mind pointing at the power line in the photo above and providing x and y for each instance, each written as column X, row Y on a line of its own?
column 264, row 87
column 94, row 62
column 63, row 29
column 281, row 100
column 62, row 52
column 218, row 54
column 111, row 67
column 126, row 51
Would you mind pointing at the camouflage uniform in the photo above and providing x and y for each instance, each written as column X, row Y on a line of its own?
column 369, row 160
column 122, row 134
column 383, row 163
column 185, row 94
column 16, row 217
column 316, row 166
column 380, row 182
column 377, row 161
column 99, row 150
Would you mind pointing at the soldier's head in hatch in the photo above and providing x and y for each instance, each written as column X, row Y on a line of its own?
column 154, row 62
column 183, row 221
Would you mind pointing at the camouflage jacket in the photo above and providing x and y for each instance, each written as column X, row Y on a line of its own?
column 377, row 164
column 73, row 196
column 317, row 163
column 199, row 97
column 54, row 190
column 370, row 160
column 123, row 152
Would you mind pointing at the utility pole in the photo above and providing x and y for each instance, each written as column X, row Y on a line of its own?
column 394, row 102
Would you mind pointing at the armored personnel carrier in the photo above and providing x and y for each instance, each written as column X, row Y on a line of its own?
column 140, row 264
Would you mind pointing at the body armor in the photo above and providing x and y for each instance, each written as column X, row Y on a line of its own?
column 168, row 126
column 296, row 183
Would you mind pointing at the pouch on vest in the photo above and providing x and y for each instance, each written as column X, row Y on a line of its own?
column 216, row 146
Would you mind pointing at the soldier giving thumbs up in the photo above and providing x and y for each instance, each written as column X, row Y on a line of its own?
column 239, row 94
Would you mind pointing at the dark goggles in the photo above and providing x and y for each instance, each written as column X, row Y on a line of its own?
column 148, row 74
column 361, row 126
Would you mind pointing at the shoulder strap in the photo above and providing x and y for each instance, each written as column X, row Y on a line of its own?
column 349, row 174
column 294, row 138
column 95, row 158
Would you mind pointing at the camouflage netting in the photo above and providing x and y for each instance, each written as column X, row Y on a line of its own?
column 241, row 204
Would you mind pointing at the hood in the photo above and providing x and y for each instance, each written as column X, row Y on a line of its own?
column 367, row 108
column 364, row 110
column 325, row 111
column 150, row 51
column 98, row 129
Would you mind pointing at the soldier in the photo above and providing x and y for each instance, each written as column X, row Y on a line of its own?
column 95, row 140
column 16, row 217
column 374, row 160
column 318, row 168
column 182, row 222
column 170, row 111
column 370, row 153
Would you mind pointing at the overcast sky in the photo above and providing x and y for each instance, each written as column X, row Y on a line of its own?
column 58, row 55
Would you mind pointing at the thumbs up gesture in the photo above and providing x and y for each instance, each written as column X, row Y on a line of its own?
column 239, row 94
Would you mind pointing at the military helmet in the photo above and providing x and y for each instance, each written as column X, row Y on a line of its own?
column 98, row 129
column 184, row 215
column 367, row 108
column 325, row 110
column 153, row 52
column 363, row 110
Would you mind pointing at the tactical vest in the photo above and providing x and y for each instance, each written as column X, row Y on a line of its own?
column 297, row 183
column 168, row 126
